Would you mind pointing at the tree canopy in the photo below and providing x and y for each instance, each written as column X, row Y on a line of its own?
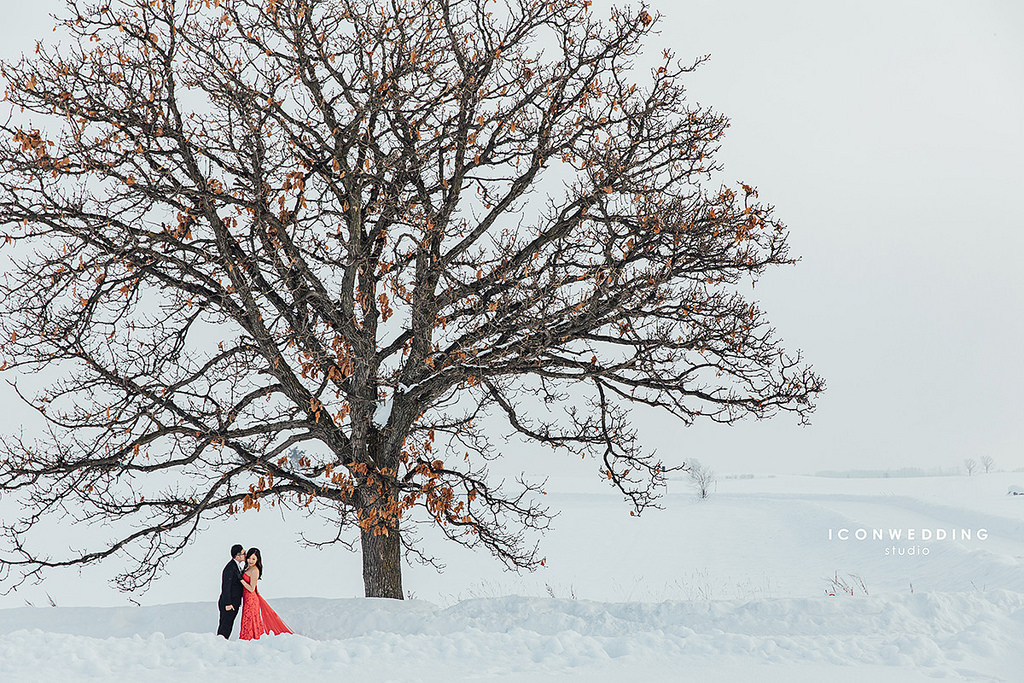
column 303, row 252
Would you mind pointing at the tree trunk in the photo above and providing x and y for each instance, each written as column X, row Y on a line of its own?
column 382, row 563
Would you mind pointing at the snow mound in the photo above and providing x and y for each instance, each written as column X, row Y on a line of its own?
column 963, row 636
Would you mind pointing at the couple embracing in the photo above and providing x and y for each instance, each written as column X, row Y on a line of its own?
column 238, row 590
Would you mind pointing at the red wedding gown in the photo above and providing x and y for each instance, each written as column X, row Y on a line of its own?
column 257, row 617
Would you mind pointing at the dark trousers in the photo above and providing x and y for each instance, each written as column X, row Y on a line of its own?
column 227, row 621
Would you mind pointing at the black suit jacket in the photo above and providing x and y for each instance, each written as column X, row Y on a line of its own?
column 230, row 586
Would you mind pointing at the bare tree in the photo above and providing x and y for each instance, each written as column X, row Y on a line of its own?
column 970, row 465
column 356, row 228
column 702, row 478
column 987, row 462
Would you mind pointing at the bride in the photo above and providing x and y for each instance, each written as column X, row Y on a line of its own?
column 257, row 617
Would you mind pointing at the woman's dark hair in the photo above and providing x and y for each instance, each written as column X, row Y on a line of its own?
column 259, row 559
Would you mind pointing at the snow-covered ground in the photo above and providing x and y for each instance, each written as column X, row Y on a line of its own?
column 734, row 588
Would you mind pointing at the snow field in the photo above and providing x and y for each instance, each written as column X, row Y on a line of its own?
column 729, row 589
column 953, row 636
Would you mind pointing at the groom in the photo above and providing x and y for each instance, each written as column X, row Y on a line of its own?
column 230, row 591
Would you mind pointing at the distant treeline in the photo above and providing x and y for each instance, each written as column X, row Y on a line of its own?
column 884, row 474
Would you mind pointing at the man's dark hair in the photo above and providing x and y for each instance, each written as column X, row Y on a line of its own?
column 235, row 549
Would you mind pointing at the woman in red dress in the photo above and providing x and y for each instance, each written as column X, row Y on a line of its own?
column 257, row 617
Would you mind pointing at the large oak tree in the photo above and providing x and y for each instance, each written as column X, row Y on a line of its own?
column 296, row 252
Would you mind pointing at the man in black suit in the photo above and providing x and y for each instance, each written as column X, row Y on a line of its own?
column 230, row 591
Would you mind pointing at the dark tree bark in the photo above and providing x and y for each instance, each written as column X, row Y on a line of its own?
column 382, row 561
column 297, row 252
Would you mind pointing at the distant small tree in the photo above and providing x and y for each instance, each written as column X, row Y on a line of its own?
column 356, row 228
column 970, row 465
column 702, row 478
column 986, row 463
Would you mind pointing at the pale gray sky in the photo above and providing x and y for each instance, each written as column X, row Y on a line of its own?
column 890, row 136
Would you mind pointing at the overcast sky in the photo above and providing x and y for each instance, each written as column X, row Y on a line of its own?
column 890, row 137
